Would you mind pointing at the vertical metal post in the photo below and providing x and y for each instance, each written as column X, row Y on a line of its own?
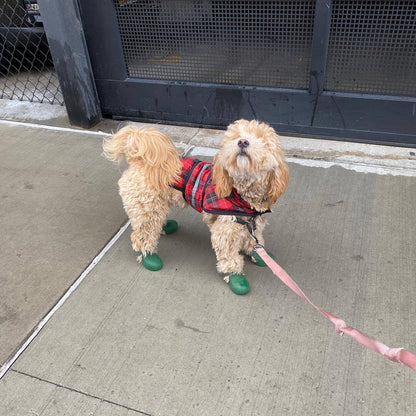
column 69, row 51
column 102, row 34
column 320, row 41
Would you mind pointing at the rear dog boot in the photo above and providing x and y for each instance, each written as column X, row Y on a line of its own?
column 170, row 227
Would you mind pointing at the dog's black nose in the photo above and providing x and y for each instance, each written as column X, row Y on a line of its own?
column 243, row 143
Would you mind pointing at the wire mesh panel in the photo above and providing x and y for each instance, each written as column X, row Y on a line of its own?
column 26, row 67
column 372, row 47
column 260, row 43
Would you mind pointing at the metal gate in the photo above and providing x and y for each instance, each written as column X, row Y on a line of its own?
column 340, row 68
column 26, row 67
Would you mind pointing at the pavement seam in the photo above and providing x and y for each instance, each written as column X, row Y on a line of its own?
column 55, row 128
column 6, row 366
column 93, row 396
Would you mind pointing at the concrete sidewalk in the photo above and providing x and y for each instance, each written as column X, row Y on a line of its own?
column 179, row 342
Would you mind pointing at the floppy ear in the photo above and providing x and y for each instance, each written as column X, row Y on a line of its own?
column 278, row 180
column 221, row 178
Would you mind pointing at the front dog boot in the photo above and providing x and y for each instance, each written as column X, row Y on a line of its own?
column 150, row 261
column 238, row 283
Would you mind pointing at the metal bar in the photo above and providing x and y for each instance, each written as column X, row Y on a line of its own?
column 103, row 38
column 213, row 105
column 345, row 113
column 69, row 51
column 320, row 46
column 202, row 104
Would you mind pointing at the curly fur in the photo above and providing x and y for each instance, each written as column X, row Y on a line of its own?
column 258, row 172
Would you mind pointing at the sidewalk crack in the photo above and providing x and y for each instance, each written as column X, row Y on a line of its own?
column 92, row 396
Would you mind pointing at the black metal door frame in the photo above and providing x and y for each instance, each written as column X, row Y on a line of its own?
column 314, row 112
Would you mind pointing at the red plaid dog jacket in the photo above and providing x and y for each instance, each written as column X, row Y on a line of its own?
column 199, row 191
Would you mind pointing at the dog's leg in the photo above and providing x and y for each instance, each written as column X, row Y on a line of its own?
column 227, row 238
column 146, row 232
column 249, row 243
column 175, row 199
column 147, row 226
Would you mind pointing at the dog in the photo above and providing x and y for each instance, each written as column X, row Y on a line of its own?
column 247, row 176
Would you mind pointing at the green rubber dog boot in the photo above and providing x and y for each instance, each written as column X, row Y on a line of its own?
column 257, row 260
column 239, row 284
column 151, row 261
column 170, row 227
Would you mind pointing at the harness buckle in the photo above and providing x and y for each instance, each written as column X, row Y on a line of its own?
column 251, row 228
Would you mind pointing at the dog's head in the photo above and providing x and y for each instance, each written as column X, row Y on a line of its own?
column 251, row 154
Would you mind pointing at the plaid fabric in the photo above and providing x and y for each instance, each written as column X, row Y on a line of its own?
column 199, row 191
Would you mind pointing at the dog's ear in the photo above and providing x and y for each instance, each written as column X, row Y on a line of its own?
column 221, row 178
column 277, row 182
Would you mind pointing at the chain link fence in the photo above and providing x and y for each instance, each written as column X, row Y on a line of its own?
column 26, row 67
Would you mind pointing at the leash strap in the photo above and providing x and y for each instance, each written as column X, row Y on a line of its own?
column 399, row 355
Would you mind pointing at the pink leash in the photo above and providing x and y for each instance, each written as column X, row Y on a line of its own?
column 399, row 355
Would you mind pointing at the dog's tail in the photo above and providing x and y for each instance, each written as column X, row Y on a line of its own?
column 148, row 148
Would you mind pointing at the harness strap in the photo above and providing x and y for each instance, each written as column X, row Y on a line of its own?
column 399, row 355
column 196, row 185
column 251, row 226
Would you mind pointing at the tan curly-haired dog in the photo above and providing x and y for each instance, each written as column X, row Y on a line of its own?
column 247, row 176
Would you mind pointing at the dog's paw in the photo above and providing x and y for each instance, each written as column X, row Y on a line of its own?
column 170, row 227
